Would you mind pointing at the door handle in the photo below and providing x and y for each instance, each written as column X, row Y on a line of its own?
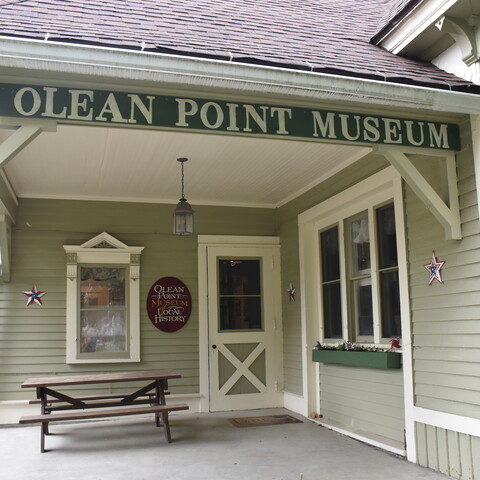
column 214, row 347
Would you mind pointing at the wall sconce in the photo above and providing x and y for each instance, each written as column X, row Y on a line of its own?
column 183, row 213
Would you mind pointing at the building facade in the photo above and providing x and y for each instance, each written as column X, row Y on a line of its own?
column 334, row 178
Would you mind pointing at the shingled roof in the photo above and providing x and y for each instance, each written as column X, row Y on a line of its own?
column 316, row 35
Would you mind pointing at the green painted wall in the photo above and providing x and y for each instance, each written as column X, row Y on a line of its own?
column 364, row 400
column 288, row 232
column 452, row 453
column 32, row 339
column 445, row 317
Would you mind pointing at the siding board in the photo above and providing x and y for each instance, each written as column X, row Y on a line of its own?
column 476, row 456
column 454, row 454
column 450, row 328
column 432, row 450
column 442, row 446
column 466, row 457
column 448, row 367
column 421, row 434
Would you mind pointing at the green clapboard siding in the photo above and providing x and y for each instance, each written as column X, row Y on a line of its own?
column 454, row 454
column 365, row 400
column 445, row 318
column 32, row 339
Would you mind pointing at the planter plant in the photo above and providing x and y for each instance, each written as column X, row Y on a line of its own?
column 357, row 356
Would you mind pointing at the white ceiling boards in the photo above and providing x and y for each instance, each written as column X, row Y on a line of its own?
column 100, row 163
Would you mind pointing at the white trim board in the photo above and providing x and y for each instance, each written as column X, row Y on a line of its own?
column 447, row 421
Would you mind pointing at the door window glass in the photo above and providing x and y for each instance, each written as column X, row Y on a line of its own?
column 240, row 296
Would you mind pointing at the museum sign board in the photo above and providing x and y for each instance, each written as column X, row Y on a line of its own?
column 182, row 113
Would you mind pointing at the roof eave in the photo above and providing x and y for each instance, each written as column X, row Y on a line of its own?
column 133, row 67
column 408, row 24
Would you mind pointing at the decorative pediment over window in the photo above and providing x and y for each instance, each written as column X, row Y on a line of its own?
column 103, row 248
column 104, row 240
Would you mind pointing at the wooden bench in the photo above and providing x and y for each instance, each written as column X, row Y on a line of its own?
column 158, row 410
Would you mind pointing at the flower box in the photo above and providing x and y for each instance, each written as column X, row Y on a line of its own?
column 358, row 359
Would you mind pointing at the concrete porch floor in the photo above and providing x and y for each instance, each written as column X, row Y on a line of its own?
column 204, row 446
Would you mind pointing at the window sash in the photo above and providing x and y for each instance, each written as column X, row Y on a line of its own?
column 103, row 311
column 351, row 278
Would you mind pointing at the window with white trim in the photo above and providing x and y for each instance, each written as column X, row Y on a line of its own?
column 103, row 313
column 360, row 277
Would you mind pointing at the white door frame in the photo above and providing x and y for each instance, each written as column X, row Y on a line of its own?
column 204, row 242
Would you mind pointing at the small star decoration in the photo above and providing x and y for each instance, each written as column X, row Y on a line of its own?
column 291, row 293
column 434, row 268
column 34, row 295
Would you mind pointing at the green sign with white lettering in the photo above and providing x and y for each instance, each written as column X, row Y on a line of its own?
column 181, row 113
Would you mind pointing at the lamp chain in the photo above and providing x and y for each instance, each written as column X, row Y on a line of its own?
column 183, row 195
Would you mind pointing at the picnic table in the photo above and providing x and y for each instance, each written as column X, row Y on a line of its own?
column 58, row 406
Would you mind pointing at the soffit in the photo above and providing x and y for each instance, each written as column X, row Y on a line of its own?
column 100, row 163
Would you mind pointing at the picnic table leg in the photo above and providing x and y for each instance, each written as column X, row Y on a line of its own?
column 162, row 386
column 43, row 432
column 166, row 426
column 158, row 399
column 42, row 395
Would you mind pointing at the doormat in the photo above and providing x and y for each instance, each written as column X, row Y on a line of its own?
column 262, row 421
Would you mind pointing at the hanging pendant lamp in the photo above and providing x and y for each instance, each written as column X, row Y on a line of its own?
column 183, row 213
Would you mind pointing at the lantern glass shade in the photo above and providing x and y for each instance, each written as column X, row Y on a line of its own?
column 183, row 218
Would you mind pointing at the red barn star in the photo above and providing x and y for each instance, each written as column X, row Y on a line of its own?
column 34, row 295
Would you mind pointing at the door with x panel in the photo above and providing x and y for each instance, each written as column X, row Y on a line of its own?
column 244, row 327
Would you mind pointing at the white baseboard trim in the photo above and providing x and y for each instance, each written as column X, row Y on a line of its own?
column 294, row 403
column 362, row 438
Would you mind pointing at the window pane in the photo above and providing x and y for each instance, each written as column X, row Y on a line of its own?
column 240, row 301
column 102, row 331
column 332, row 310
column 387, row 239
column 390, row 304
column 330, row 255
column 360, row 246
column 240, row 313
column 239, row 277
column 363, row 306
column 102, row 287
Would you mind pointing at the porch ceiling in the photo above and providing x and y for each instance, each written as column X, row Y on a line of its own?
column 100, row 163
